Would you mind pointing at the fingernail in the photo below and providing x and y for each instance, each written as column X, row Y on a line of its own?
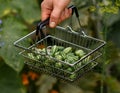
column 52, row 24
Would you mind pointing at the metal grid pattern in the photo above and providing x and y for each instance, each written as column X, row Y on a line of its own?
column 61, row 37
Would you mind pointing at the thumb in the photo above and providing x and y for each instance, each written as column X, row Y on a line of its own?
column 54, row 17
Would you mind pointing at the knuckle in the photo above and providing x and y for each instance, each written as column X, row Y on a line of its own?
column 53, row 16
column 42, row 5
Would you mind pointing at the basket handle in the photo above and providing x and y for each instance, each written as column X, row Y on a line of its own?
column 46, row 22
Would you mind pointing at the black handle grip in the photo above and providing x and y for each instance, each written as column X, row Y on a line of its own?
column 41, row 25
column 46, row 22
column 74, row 10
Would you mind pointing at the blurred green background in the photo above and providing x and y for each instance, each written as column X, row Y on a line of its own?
column 100, row 18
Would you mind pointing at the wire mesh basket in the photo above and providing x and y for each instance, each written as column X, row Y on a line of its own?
column 60, row 52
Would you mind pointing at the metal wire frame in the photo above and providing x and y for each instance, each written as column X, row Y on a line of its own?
column 62, row 37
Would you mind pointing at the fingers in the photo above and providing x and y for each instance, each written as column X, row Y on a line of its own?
column 55, row 10
column 58, row 16
column 65, row 14
column 44, row 15
column 46, row 11
column 54, row 17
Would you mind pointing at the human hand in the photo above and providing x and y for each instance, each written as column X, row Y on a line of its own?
column 55, row 9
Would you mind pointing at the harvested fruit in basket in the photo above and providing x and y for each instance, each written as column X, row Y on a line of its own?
column 80, row 53
column 56, row 55
column 60, row 53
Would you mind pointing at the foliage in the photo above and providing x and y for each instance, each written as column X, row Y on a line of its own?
column 17, row 18
column 10, row 80
column 107, row 6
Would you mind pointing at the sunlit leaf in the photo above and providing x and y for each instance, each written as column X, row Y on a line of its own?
column 4, row 6
column 28, row 9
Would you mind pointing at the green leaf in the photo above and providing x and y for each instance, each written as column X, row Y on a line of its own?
column 12, row 30
column 28, row 9
column 113, row 84
column 10, row 81
column 4, row 7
